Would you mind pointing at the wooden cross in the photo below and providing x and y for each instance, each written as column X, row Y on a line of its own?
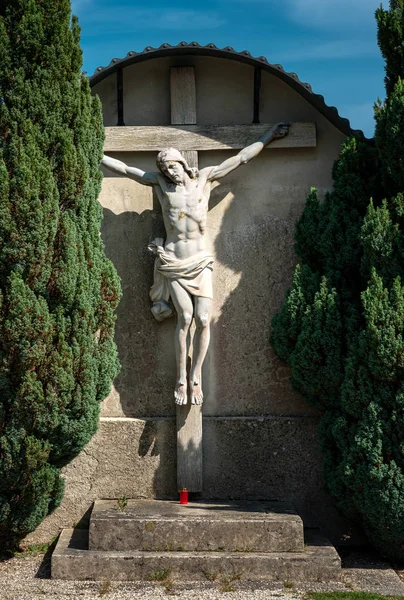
column 185, row 135
column 189, row 417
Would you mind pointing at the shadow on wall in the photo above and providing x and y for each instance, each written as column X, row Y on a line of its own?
column 157, row 443
column 146, row 381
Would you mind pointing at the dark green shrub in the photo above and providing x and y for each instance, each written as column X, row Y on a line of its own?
column 58, row 291
column 341, row 327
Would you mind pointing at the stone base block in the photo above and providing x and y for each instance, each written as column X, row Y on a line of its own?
column 72, row 560
column 155, row 525
column 243, row 459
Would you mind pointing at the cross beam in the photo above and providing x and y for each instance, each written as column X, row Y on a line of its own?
column 205, row 137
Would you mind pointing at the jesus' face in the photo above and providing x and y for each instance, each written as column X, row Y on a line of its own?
column 174, row 171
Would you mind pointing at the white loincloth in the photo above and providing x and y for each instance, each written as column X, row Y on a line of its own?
column 194, row 274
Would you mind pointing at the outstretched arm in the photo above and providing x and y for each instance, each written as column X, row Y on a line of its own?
column 244, row 156
column 117, row 166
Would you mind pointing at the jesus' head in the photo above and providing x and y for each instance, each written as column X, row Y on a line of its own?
column 173, row 165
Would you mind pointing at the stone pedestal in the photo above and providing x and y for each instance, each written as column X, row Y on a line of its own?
column 256, row 540
column 151, row 525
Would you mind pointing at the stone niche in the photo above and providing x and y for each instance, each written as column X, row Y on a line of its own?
column 259, row 437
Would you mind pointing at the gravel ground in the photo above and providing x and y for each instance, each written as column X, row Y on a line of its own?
column 28, row 578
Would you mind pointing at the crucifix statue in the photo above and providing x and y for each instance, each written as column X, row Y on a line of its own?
column 183, row 266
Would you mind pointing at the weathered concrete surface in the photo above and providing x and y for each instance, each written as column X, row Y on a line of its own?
column 225, row 91
column 27, row 578
column 72, row 560
column 126, row 457
column 157, row 525
column 247, row 459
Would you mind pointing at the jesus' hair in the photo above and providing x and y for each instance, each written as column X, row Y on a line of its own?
column 172, row 154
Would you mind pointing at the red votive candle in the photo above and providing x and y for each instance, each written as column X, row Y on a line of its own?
column 184, row 496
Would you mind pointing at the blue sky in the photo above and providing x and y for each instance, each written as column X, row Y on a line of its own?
column 331, row 44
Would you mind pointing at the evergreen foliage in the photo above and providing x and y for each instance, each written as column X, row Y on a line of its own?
column 58, row 291
column 342, row 324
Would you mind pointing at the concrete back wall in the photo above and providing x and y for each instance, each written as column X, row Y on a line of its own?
column 259, row 436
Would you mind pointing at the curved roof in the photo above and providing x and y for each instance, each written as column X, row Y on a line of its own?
column 193, row 48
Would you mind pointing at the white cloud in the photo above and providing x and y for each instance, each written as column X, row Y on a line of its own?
column 79, row 5
column 130, row 19
column 333, row 13
column 327, row 14
column 338, row 49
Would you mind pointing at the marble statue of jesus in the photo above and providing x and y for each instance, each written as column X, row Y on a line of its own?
column 183, row 267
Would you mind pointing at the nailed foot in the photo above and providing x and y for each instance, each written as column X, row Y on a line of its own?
column 180, row 393
column 196, row 393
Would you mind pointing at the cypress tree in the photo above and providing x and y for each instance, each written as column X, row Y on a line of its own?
column 58, row 291
column 344, row 341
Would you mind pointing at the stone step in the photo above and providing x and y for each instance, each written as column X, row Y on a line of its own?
column 72, row 560
column 167, row 526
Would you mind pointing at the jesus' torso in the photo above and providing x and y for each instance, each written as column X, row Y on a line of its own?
column 185, row 209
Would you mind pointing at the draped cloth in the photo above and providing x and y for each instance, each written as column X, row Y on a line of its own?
column 194, row 274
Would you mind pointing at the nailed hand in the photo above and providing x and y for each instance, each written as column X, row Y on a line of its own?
column 280, row 130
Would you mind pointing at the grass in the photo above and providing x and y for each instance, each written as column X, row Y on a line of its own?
column 168, row 585
column 163, row 576
column 122, row 503
column 33, row 549
column 159, row 575
column 289, row 586
column 210, row 575
column 227, row 583
column 349, row 596
column 105, row 588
